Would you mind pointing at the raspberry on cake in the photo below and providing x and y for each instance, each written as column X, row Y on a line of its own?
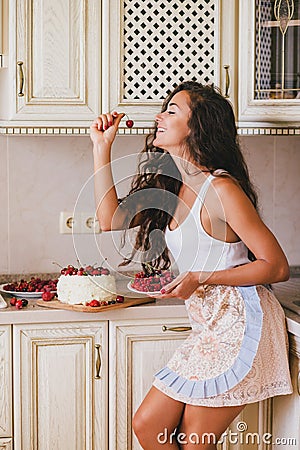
column 81, row 286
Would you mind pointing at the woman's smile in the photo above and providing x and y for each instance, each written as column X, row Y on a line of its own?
column 172, row 124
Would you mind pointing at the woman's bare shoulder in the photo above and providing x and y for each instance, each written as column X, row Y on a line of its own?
column 229, row 191
column 224, row 181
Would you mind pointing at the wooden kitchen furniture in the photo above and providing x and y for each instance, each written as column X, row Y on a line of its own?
column 73, row 380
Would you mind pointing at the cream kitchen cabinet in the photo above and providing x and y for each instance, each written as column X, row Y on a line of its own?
column 153, row 46
column 286, row 421
column 5, row 386
column 250, row 49
column 60, row 386
column 53, row 74
column 269, row 62
column 77, row 382
column 6, row 444
column 138, row 350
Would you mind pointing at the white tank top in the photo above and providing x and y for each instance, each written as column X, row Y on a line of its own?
column 194, row 249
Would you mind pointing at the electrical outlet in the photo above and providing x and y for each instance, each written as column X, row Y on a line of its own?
column 66, row 222
column 78, row 223
column 89, row 223
column 69, row 222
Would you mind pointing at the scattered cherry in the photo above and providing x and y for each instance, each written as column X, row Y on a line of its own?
column 13, row 301
column 94, row 303
column 47, row 296
column 103, row 303
column 19, row 304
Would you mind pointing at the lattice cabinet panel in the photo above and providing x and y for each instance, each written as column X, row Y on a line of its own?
column 152, row 46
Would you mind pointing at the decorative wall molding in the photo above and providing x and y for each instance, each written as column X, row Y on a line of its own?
column 84, row 131
column 274, row 131
column 64, row 131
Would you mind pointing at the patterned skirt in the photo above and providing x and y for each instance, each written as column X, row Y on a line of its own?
column 237, row 352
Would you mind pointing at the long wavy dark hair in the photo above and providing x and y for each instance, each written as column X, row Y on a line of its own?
column 212, row 143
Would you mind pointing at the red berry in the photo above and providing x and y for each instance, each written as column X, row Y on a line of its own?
column 13, row 301
column 24, row 302
column 19, row 304
column 94, row 303
column 129, row 123
column 119, row 299
column 47, row 296
column 104, row 271
column 156, row 287
column 104, row 303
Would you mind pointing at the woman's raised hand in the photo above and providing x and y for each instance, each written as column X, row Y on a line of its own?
column 104, row 128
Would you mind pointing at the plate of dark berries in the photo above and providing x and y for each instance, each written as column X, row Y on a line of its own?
column 150, row 280
column 33, row 288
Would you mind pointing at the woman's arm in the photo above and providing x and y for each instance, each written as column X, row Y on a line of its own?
column 270, row 266
column 102, row 133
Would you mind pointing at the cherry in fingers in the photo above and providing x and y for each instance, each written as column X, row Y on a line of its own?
column 129, row 122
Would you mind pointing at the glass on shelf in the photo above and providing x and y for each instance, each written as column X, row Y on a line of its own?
column 277, row 50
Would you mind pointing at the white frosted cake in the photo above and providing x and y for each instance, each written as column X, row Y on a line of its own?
column 81, row 289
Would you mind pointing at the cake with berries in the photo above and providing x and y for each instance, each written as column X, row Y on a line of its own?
column 81, row 286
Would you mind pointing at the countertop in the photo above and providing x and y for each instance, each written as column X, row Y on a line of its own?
column 287, row 293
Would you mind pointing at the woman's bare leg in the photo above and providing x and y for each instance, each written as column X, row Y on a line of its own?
column 202, row 426
column 155, row 421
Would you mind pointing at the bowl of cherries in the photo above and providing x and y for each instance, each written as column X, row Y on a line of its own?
column 23, row 290
column 33, row 288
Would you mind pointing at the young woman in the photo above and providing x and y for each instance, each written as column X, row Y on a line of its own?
column 207, row 212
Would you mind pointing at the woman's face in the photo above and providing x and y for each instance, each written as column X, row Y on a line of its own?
column 172, row 128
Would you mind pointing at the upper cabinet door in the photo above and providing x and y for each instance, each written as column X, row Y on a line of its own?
column 150, row 47
column 269, row 80
column 55, row 59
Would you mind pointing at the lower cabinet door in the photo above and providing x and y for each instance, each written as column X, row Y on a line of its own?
column 5, row 383
column 60, row 386
column 286, row 408
column 6, row 444
column 140, row 349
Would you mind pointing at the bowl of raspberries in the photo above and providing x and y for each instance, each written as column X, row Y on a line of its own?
column 150, row 280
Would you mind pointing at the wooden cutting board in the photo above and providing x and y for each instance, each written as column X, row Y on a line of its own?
column 56, row 304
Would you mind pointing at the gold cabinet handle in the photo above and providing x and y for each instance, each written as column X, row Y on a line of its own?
column 227, row 80
column 21, row 78
column 176, row 329
column 98, row 361
column 298, row 383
